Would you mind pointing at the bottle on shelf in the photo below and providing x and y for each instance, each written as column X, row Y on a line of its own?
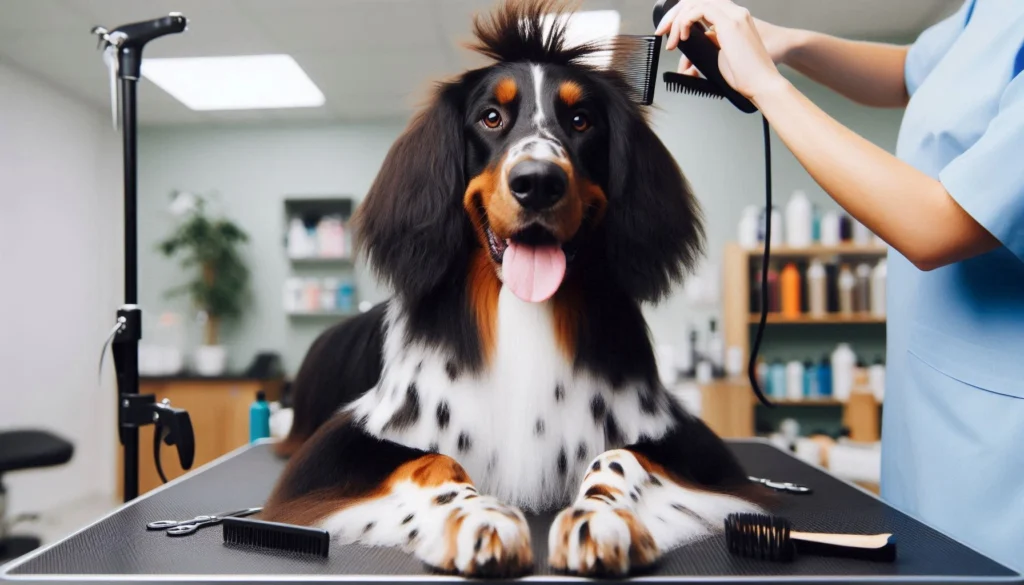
column 815, row 224
column 861, row 234
column 777, row 376
column 684, row 354
column 716, row 350
column 876, row 376
column 774, row 303
column 259, row 418
column 862, row 289
column 346, row 297
column 843, row 363
column 847, row 282
column 832, row 287
column 798, row 221
column 329, row 294
column 878, row 289
column 825, row 376
column 817, row 297
column 794, row 380
column 748, row 227
column 845, row 228
column 299, row 245
column 811, row 380
column 777, row 227
column 789, row 285
column 830, row 228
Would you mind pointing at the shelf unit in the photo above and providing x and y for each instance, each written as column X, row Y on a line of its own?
column 310, row 209
column 730, row 404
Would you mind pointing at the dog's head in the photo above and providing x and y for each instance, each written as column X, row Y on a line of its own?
column 542, row 162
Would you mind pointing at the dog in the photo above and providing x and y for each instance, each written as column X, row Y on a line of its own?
column 522, row 219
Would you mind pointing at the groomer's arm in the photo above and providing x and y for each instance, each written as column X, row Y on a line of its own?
column 909, row 210
column 868, row 73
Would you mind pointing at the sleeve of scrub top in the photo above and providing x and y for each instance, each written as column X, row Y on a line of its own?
column 987, row 180
column 931, row 45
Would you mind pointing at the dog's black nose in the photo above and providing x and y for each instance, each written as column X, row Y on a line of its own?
column 537, row 184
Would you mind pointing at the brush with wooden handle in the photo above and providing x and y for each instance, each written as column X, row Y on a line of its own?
column 772, row 538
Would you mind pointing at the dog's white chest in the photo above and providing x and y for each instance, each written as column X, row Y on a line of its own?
column 525, row 428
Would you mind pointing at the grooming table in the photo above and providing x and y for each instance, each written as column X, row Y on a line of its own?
column 119, row 548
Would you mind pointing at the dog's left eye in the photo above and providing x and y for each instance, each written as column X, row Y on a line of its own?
column 580, row 122
column 492, row 118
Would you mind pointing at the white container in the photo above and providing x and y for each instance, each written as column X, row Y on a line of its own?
column 876, row 379
column 210, row 360
column 748, row 227
column 704, row 374
column 299, row 244
column 861, row 233
column 777, row 227
column 830, row 229
column 817, row 289
column 878, row 289
column 798, row 220
column 734, row 361
column 329, row 294
column 794, row 380
column 843, row 362
column 847, row 282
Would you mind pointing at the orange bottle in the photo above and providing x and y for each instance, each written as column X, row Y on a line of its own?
column 790, row 289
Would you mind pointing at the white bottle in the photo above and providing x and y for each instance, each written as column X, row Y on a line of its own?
column 847, row 282
column 830, row 229
column 748, row 227
column 298, row 239
column 861, row 233
column 843, row 362
column 876, row 379
column 777, row 227
column 817, row 289
column 794, row 380
column 878, row 289
column 798, row 221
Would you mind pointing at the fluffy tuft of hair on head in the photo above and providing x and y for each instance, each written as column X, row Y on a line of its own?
column 534, row 31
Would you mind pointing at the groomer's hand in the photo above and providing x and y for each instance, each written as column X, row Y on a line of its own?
column 746, row 63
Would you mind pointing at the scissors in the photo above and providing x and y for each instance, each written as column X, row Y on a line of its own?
column 782, row 486
column 183, row 527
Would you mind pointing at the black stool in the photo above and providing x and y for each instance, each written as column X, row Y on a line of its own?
column 25, row 449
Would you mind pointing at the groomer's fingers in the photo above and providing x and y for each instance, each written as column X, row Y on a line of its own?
column 684, row 65
column 666, row 20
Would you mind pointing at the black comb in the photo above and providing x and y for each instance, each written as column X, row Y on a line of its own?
column 679, row 83
column 772, row 538
column 636, row 58
column 246, row 532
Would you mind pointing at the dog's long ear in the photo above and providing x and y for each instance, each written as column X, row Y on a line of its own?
column 653, row 224
column 411, row 224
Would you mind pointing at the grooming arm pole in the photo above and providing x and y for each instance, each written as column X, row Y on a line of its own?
column 133, row 409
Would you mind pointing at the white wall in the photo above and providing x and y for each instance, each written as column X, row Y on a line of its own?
column 253, row 169
column 60, row 283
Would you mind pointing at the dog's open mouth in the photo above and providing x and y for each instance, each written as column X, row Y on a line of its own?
column 532, row 261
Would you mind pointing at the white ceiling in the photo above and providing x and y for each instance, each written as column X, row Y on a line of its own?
column 373, row 59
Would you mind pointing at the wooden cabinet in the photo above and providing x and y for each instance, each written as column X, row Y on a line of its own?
column 219, row 409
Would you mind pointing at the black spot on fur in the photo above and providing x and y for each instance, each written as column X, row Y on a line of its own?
column 612, row 436
column 408, row 518
column 470, row 497
column 614, row 466
column 479, row 543
column 600, row 491
column 465, row 443
column 361, row 423
column 643, row 438
column 596, row 466
column 578, row 513
column 581, row 452
column 433, row 448
column 639, row 491
column 598, row 408
column 413, row 534
column 419, row 366
column 559, row 392
column 679, row 507
column 648, row 400
column 452, row 371
column 470, row 488
column 584, row 532
column 408, row 413
column 634, row 497
column 443, row 415
column 492, row 462
column 538, row 429
column 445, row 498
column 653, row 480
column 368, row 528
column 563, row 462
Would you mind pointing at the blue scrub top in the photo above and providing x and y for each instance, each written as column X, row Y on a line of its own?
column 953, row 422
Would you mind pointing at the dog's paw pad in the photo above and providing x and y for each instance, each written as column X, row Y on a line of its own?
column 483, row 538
column 602, row 541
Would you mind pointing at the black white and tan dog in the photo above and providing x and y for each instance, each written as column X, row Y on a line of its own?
column 522, row 219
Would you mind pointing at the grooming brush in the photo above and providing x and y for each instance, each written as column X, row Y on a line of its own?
column 771, row 538
column 703, row 53
column 636, row 58
column 247, row 532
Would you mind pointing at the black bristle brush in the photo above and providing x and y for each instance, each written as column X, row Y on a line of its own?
column 247, row 532
column 771, row 538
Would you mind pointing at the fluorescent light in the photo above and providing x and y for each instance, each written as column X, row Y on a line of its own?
column 248, row 82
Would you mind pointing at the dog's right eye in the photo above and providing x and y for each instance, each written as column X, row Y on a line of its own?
column 492, row 118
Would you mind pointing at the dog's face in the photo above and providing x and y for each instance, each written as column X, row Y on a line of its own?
column 536, row 158
column 539, row 162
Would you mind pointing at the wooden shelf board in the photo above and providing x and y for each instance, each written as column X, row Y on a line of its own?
column 806, row 402
column 819, row 250
column 830, row 319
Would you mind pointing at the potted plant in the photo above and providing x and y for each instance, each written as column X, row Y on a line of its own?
column 210, row 249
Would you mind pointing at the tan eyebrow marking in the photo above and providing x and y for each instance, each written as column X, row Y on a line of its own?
column 506, row 90
column 570, row 92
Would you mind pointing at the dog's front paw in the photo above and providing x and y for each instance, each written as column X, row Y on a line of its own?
column 480, row 537
column 599, row 540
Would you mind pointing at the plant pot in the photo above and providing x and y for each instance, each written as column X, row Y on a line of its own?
column 210, row 360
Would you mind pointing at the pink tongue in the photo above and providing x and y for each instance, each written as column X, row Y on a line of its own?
column 533, row 273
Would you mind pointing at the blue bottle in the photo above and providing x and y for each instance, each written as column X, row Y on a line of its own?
column 259, row 418
column 811, row 380
column 825, row 377
column 777, row 377
column 816, row 226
